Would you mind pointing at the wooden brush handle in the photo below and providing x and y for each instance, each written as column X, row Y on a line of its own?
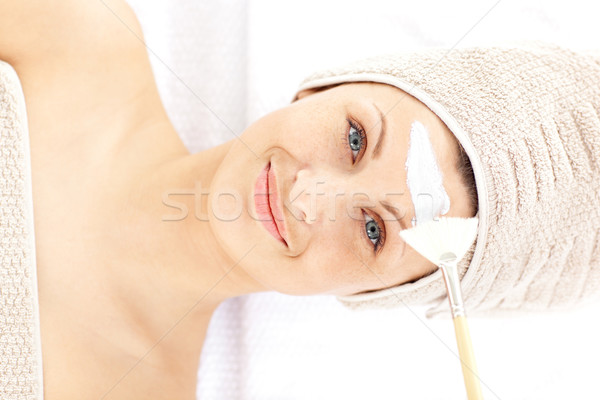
column 467, row 357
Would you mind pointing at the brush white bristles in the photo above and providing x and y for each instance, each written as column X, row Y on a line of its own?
column 448, row 234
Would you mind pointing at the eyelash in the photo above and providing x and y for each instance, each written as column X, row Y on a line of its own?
column 363, row 139
column 363, row 145
column 381, row 239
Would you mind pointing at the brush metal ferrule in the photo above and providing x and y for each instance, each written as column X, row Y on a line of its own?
column 449, row 269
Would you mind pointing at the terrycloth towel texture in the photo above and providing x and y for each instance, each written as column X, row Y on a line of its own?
column 20, row 346
column 527, row 115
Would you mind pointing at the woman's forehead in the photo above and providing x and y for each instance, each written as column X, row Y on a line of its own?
column 401, row 111
column 411, row 128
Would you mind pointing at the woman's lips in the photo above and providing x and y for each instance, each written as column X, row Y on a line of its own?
column 266, row 202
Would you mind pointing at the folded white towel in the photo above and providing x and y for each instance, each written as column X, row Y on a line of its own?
column 20, row 345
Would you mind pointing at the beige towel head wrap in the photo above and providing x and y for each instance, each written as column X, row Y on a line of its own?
column 527, row 116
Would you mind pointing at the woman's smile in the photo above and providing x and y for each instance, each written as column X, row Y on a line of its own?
column 266, row 202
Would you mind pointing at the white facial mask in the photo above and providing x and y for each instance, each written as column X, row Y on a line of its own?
column 424, row 178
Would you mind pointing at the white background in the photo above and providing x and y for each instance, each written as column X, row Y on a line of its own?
column 222, row 65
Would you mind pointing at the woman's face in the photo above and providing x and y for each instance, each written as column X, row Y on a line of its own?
column 337, row 175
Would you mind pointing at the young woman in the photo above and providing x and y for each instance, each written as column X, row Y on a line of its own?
column 127, row 283
column 138, row 241
column 128, row 279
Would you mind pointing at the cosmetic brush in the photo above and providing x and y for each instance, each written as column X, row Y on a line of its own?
column 444, row 242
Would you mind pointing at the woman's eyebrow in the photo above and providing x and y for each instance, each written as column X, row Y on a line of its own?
column 378, row 145
column 394, row 211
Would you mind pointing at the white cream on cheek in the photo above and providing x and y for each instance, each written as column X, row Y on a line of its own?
column 424, row 178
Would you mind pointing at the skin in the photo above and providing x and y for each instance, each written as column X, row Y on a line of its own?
column 126, row 296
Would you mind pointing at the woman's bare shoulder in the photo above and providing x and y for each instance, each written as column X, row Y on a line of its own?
column 78, row 62
column 36, row 30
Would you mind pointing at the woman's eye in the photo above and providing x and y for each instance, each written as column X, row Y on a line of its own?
column 356, row 140
column 373, row 231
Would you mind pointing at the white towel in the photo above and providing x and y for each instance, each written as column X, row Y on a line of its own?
column 20, row 344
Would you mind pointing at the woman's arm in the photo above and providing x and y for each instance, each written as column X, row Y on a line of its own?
column 40, row 33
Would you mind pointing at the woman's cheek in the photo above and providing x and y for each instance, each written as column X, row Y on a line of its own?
column 336, row 241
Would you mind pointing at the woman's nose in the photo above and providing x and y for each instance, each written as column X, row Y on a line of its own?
column 317, row 194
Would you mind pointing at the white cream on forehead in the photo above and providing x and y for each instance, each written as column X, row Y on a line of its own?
column 424, row 178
